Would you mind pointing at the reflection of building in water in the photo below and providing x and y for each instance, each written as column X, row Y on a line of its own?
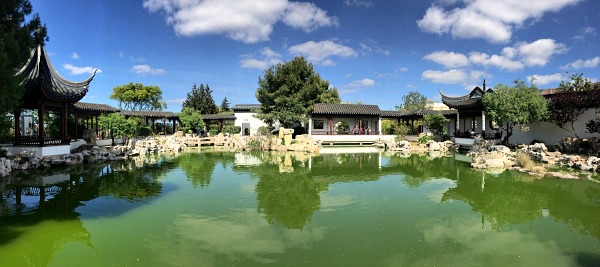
column 246, row 159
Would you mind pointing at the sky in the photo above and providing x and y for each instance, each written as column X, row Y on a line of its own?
column 372, row 51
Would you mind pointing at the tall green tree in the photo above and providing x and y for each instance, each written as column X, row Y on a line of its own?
column 136, row 96
column 288, row 91
column 225, row 105
column 17, row 37
column 200, row 99
column 519, row 104
column 191, row 119
column 412, row 101
column 574, row 97
column 117, row 125
column 436, row 123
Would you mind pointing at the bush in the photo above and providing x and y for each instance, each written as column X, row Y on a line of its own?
column 263, row 130
column 423, row 139
column 213, row 132
column 401, row 131
column 145, row 130
column 231, row 129
column 388, row 127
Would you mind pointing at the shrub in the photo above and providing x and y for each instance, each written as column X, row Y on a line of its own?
column 231, row 129
column 263, row 130
column 424, row 138
column 145, row 130
column 401, row 131
column 213, row 131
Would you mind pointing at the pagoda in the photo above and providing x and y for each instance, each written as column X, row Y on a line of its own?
column 45, row 89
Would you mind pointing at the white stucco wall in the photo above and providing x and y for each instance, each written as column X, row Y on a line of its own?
column 550, row 133
column 248, row 117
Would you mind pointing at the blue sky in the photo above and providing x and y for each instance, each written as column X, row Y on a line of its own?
column 373, row 51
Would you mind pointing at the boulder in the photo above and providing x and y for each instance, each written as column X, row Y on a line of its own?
column 89, row 136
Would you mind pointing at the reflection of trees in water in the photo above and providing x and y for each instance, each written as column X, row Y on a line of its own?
column 516, row 198
column 199, row 167
column 418, row 169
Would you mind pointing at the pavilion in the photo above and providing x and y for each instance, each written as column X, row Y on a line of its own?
column 45, row 90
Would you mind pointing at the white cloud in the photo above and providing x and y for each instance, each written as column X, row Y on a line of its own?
column 248, row 21
column 269, row 58
column 580, row 64
column 545, row 79
column 361, row 83
column 120, row 54
column 448, row 59
column 74, row 55
column 501, row 62
column 453, row 76
column 319, row 52
column 307, row 16
column 371, row 46
column 539, row 52
column 147, row 69
column 358, row 3
column 402, row 69
column 80, row 70
column 585, row 32
column 491, row 20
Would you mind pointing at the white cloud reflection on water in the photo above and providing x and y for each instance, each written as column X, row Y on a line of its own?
column 243, row 235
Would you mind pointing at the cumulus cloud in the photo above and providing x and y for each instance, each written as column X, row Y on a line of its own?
column 491, row 20
column 453, row 76
column 268, row 58
column 448, row 59
column 307, row 16
column 581, row 64
column 320, row 52
column 248, row 21
column 147, row 69
column 358, row 3
column 512, row 58
column 545, row 79
column 74, row 55
column 80, row 70
column 361, row 83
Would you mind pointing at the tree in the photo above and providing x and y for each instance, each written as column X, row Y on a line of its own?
column 573, row 99
column 200, row 99
column 436, row 123
column 117, row 125
column 413, row 101
column 138, row 97
column 191, row 119
column 224, row 105
column 288, row 91
column 17, row 38
column 514, row 105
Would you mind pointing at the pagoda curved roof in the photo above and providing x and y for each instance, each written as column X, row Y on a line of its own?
column 38, row 73
column 470, row 100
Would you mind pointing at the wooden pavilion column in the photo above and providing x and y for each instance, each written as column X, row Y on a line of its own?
column 17, row 126
column 220, row 122
column 360, row 129
column 164, row 120
column 76, row 124
column 96, row 125
column 153, row 126
column 63, row 123
column 174, row 125
column 41, row 112
column 330, row 125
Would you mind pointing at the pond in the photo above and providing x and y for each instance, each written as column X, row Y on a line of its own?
column 250, row 209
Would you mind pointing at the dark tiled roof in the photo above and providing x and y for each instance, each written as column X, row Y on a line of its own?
column 220, row 116
column 421, row 112
column 95, row 107
column 470, row 100
column 150, row 114
column 346, row 109
column 38, row 72
column 245, row 107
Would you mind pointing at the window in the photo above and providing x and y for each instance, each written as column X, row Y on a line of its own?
column 318, row 124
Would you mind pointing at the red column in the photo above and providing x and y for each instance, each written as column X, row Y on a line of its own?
column 41, row 112
column 17, row 126
column 330, row 125
column 63, row 123
column 360, row 129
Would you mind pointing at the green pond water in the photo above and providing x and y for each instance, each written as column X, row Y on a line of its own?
column 250, row 209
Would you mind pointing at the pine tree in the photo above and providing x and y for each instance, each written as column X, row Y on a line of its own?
column 224, row 105
column 200, row 98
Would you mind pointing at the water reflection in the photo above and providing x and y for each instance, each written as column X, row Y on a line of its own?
column 38, row 214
